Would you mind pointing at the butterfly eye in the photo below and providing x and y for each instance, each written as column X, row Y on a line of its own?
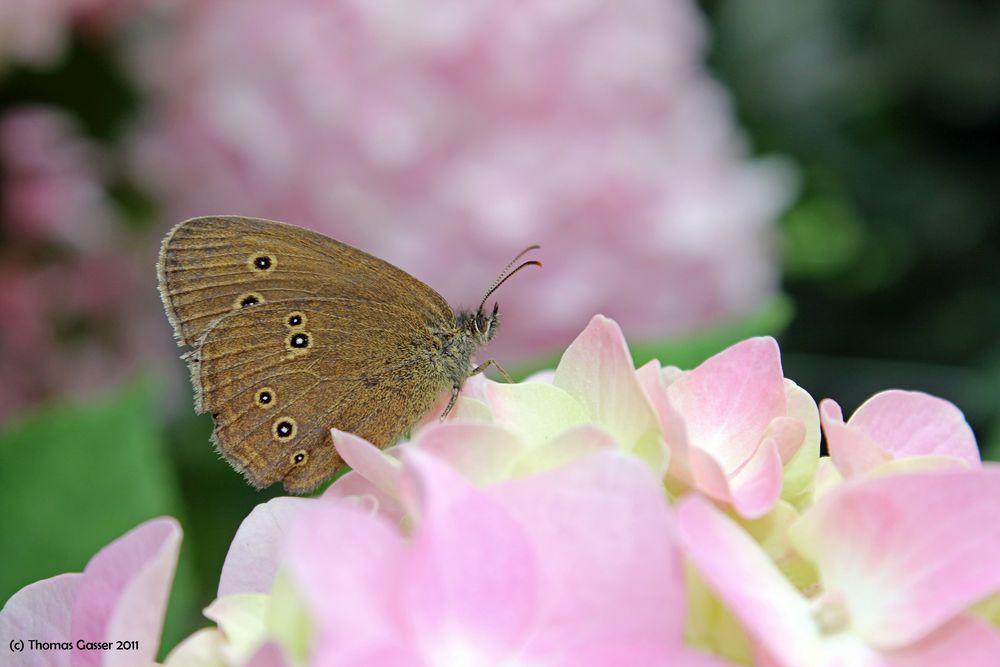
column 300, row 457
column 284, row 428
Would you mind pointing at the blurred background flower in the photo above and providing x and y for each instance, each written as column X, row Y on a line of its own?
column 636, row 141
column 446, row 136
column 73, row 318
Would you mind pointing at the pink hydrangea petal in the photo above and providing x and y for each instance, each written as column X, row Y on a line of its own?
column 474, row 387
column 124, row 593
column 828, row 476
column 692, row 658
column 472, row 576
column 470, row 409
column 355, row 486
column 534, row 410
column 204, row 648
column 243, row 621
column 42, row 611
column 346, row 564
column 917, row 463
column 470, row 404
column 368, row 460
column 650, row 378
column 268, row 655
column 256, row 549
column 483, row 453
column 910, row 423
column 708, row 476
column 728, row 401
column 907, row 552
column 788, row 434
column 965, row 641
column 547, row 376
column 597, row 370
column 604, row 536
column 852, row 451
column 757, row 485
column 381, row 655
column 741, row 574
column 569, row 445
column 637, row 654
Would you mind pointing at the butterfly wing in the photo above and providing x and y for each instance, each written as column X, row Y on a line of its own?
column 214, row 265
column 277, row 376
column 231, row 287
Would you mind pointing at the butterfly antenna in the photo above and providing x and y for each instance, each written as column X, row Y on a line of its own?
column 507, row 273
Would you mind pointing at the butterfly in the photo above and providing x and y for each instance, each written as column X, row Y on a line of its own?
column 292, row 333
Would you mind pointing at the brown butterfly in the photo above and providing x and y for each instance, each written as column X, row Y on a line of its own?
column 294, row 333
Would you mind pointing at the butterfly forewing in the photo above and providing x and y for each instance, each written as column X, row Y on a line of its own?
column 213, row 265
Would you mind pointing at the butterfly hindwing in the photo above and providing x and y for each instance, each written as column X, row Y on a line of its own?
column 277, row 376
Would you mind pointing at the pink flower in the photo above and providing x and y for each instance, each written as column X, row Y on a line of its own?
column 52, row 187
column 900, row 560
column 446, row 136
column 509, row 575
column 737, row 430
column 121, row 594
column 898, row 425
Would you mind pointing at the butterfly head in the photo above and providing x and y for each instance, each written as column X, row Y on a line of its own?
column 480, row 326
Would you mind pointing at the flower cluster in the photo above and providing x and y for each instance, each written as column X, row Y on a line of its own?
column 601, row 515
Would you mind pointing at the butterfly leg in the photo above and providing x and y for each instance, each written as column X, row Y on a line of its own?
column 451, row 403
column 492, row 362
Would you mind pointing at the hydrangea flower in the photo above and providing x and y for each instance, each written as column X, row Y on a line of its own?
column 534, row 528
column 901, row 558
column 507, row 575
column 737, row 430
column 907, row 426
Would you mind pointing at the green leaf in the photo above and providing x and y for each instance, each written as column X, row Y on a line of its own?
column 75, row 477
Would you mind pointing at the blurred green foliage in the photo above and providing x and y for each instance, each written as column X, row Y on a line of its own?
column 87, row 83
column 891, row 112
column 75, row 477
